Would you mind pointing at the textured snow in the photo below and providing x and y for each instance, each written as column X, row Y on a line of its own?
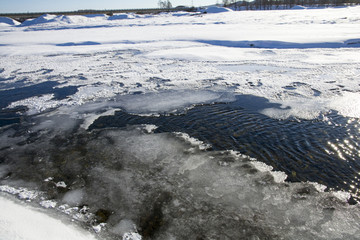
column 215, row 9
column 5, row 21
column 305, row 61
column 19, row 221
column 268, row 54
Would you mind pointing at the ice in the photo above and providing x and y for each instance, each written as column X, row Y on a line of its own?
column 48, row 203
column 126, row 229
column 134, row 183
column 171, row 101
column 132, row 236
column 37, row 104
column 346, row 105
column 139, row 178
column 19, row 221
column 22, row 193
column 148, row 128
column 193, row 141
column 61, row 184
column 74, row 197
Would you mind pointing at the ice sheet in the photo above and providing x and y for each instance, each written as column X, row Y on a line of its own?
column 20, row 221
column 144, row 177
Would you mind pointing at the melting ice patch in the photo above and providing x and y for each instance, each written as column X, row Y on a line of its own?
column 170, row 101
column 158, row 185
column 143, row 103
column 346, row 105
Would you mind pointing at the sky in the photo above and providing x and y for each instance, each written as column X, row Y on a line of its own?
column 23, row 6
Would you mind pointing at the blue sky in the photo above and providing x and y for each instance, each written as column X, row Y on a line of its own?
column 12, row 6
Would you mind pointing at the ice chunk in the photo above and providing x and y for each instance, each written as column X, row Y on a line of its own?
column 123, row 227
column 305, row 108
column 61, row 184
column 21, row 192
column 132, row 236
column 170, row 101
column 74, row 197
column 98, row 228
column 148, row 128
column 193, row 141
column 48, row 203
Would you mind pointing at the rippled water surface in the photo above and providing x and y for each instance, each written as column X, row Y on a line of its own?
column 119, row 177
column 325, row 150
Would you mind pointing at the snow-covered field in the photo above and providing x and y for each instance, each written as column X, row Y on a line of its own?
column 70, row 70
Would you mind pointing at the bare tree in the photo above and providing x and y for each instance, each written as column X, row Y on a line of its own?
column 225, row 3
column 165, row 4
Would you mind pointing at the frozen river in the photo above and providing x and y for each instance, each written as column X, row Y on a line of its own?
column 235, row 125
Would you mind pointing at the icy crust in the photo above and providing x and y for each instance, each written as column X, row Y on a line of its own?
column 305, row 90
column 136, row 184
column 193, row 141
column 145, row 104
column 302, row 108
column 19, row 221
column 35, row 196
column 22, row 193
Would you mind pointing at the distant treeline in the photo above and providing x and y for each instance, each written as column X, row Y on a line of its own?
column 24, row 16
column 286, row 4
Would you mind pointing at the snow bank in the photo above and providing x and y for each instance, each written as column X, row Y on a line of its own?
column 215, row 9
column 298, row 7
column 121, row 16
column 20, row 221
column 55, row 20
column 8, row 21
column 46, row 18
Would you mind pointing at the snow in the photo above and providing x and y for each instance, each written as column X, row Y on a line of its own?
column 215, row 9
column 307, row 62
column 5, row 21
column 298, row 7
column 121, row 16
column 20, row 221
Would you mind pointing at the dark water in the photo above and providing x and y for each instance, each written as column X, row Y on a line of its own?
column 162, row 186
column 306, row 150
column 10, row 116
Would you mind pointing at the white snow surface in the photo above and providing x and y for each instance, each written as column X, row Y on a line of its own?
column 215, row 9
column 23, row 222
column 305, row 60
column 4, row 21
